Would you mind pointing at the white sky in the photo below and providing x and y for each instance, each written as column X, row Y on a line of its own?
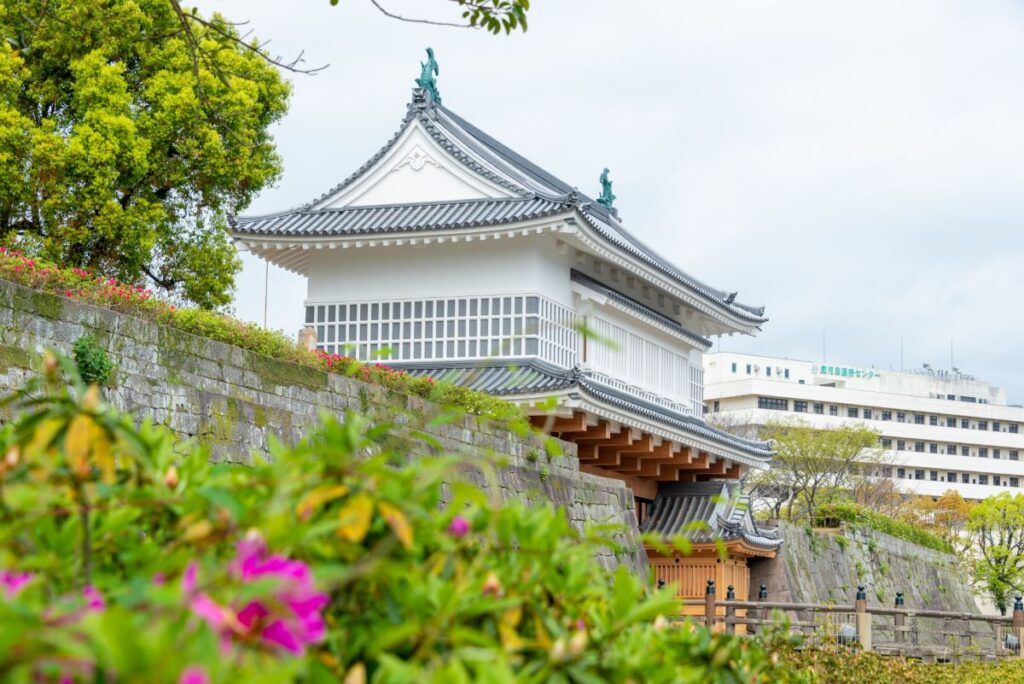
column 857, row 167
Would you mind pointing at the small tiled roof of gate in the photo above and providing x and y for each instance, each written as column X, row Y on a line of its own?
column 531, row 376
column 489, row 158
column 704, row 512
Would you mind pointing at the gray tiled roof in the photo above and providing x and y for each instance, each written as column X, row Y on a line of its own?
column 493, row 160
column 636, row 306
column 705, row 511
column 530, row 376
column 396, row 218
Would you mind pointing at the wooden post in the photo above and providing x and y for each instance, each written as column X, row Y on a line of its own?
column 730, row 611
column 863, row 619
column 899, row 621
column 709, row 605
column 758, row 613
column 1018, row 625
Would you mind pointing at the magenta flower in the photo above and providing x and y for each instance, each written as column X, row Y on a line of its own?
column 289, row 619
column 459, row 527
column 193, row 674
column 93, row 599
column 12, row 582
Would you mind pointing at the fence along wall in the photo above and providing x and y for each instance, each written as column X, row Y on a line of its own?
column 233, row 400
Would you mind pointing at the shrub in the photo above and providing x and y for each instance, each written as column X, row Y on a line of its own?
column 94, row 365
column 124, row 557
column 830, row 515
column 84, row 286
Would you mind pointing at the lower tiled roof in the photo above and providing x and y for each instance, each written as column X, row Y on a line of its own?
column 704, row 512
column 531, row 376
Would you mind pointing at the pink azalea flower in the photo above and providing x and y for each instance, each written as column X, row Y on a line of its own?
column 289, row 619
column 459, row 527
column 12, row 582
column 93, row 599
column 194, row 674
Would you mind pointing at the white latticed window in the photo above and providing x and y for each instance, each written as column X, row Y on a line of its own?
column 461, row 328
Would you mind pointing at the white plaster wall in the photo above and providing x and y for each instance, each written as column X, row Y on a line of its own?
column 529, row 264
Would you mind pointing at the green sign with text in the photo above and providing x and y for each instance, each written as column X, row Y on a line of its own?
column 844, row 372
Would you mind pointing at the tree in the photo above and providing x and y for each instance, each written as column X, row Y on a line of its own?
column 945, row 517
column 124, row 149
column 996, row 530
column 813, row 467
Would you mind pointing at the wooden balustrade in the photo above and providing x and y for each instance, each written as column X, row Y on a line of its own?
column 1007, row 631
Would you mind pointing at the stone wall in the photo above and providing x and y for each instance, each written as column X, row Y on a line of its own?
column 818, row 566
column 233, row 400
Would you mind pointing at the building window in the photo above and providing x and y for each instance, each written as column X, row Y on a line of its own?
column 983, row 479
column 819, row 409
column 901, row 473
column 918, row 419
column 768, row 371
column 1014, row 455
column 773, row 403
column 1015, row 482
column 950, row 421
column 867, row 414
column 965, row 478
column 918, row 474
column 852, row 412
column 951, row 449
column 983, row 425
column 718, row 406
column 965, row 451
column 785, row 373
column 933, row 448
column 886, row 415
column 901, row 417
column 833, row 410
column 950, row 477
column 800, row 406
column 965, row 424
column 995, row 453
column 749, row 368
column 982, row 452
column 886, row 442
column 995, row 480
column 934, row 476
column 733, row 367
column 900, row 445
column 995, row 426
column 933, row 420
column 919, row 447
column 1012, row 428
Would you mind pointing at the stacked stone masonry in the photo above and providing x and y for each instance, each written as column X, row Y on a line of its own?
column 236, row 401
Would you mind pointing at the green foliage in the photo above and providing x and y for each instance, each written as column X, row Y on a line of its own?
column 831, row 515
column 416, row 591
column 848, row 666
column 996, row 559
column 842, row 542
column 129, row 134
column 94, row 366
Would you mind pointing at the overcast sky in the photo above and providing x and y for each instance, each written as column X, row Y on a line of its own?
column 857, row 167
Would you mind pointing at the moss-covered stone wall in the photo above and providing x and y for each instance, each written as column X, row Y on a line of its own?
column 236, row 401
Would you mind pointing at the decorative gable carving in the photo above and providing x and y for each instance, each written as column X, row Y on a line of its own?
column 415, row 170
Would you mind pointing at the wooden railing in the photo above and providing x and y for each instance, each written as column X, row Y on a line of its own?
column 998, row 636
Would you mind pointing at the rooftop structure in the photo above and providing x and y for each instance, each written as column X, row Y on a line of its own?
column 450, row 255
column 941, row 429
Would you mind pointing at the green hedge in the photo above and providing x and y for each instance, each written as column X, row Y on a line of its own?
column 831, row 514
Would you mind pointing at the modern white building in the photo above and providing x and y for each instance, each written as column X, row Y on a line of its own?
column 450, row 255
column 943, row 429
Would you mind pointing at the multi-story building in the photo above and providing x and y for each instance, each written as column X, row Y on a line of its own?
column 942, row 429
column 450, row 255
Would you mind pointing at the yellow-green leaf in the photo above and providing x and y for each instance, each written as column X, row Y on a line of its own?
column 77, row 443
column 399, row 524
column 318, row 497
column 354, row 518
